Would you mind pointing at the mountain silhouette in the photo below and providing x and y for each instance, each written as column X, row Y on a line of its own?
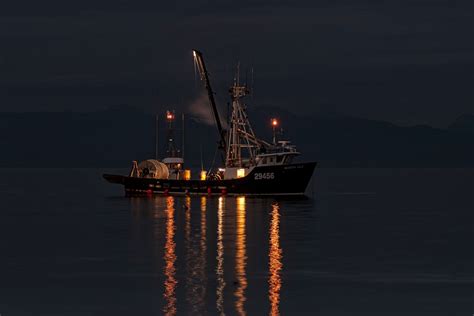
column 115, row 137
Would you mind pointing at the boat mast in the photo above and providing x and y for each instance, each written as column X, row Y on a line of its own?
column 241, row 134
column 199, row 60
column 182, row 136
column 171, row 150
column 156, row 136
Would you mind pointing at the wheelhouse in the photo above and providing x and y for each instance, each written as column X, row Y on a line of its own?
column 278, row 155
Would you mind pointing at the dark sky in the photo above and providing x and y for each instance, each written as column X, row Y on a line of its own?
column 408, row 62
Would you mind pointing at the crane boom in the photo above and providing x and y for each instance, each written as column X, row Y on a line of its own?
column 205, row 77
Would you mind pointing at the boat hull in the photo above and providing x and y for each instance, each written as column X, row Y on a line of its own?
column 263, row 180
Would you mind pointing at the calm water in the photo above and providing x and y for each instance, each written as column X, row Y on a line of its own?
column 368, row 242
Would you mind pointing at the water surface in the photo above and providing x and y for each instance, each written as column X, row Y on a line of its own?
column 365, row 242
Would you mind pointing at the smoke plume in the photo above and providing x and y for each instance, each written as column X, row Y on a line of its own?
column 200, row 109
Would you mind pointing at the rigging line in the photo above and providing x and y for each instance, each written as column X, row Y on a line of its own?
column 213, row 161
column 202, row 164
column 245, row 132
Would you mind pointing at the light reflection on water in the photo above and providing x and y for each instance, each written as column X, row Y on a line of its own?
column 240, row 257
column 170, row 259
column 84, row 248
column 206, row 253
column 190, row 253
column 275, row 264
column 195, row 244
column 220, row 257
column 201, row 264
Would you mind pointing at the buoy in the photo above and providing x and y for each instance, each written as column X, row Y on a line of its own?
column 224, row 192
column 209, row 191
column 166, row 192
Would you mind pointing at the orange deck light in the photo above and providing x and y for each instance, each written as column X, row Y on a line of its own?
column 187, row 174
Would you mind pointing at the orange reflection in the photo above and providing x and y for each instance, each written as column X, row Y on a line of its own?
column 187, row 218
column 201, row 263
column 170, row 259
column 275, row 264
column 195, row 245
column 203, row 236
column 240, row 257
column 187, row 205
column 203, row 224
column 189, row 254
column 220, row 257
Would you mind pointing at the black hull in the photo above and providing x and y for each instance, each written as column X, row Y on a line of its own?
column 265, row 180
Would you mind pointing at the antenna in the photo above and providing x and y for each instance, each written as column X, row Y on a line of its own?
column 251, row 83
column 246, row 77
column 238, row 73
column 156, row 136
column 182, row 137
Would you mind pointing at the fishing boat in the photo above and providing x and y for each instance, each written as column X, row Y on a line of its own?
column 250, row 165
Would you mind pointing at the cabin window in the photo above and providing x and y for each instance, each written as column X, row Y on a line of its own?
column 264, row 161
column 280, row 159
